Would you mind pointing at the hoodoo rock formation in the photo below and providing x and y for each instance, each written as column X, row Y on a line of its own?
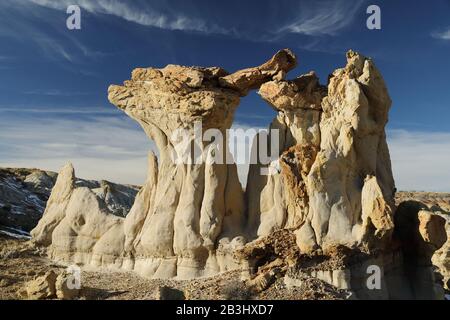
column 330, row 191
column 280, row 199
column 335, row 186
column 80, row 223
column 188, row 217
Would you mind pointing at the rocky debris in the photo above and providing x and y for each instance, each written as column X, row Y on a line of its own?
column 236, row 290
column 267, row 276
column 229, row 286
column 109, row 285
column 309, row 289
column 278, row 246
column 268, row 259
column 432, row 200
column 5, row 282
column 42, row 287
column 66, row 289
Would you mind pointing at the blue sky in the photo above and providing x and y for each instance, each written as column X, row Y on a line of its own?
column 53, row 81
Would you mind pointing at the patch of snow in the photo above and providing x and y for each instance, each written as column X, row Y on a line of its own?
column 447, row 297
column 17, row 230
column 15, row 233
column 33, row 199
column 17, row 210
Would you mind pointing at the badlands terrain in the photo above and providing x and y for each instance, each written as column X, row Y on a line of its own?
column 326, row 223
column 21, row 262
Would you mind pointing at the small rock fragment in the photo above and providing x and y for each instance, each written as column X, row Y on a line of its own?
column 42, row 287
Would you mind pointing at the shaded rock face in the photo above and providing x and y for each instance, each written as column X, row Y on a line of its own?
column 424, row 234
column 423, row 218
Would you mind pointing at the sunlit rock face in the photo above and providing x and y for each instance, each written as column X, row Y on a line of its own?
column 334, row 185
column 174, row 226
column 280, row 199
column 350, row 185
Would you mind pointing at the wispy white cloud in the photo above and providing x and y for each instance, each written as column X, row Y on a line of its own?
column 312, row 18
column 141, row 14
column 51, row 46
column 421, row 160
column 55, row 93
column 60, row 110
column 442, row 34
column 33, row 28
column 46, row 33
column 322, row 17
